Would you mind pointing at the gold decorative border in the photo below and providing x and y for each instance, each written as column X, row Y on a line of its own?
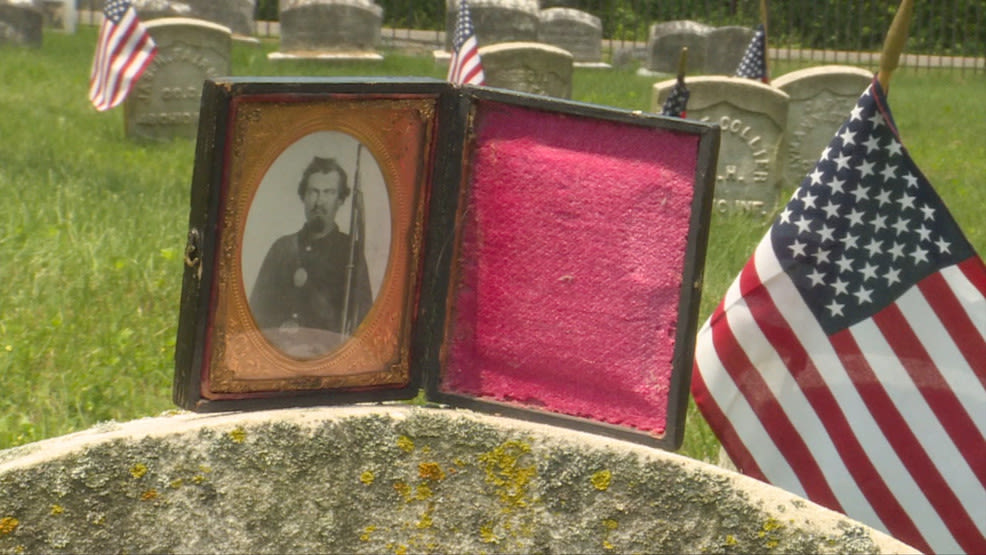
column 398, row 133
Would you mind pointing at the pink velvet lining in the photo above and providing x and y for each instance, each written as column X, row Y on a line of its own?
column 571, row 265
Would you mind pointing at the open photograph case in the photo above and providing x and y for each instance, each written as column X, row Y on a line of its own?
column 361, row 240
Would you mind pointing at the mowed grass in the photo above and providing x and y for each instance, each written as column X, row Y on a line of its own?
column 92, row 225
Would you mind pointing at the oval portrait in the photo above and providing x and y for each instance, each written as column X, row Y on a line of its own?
column 316, row 244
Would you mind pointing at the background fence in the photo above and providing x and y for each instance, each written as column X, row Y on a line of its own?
column 944, row 33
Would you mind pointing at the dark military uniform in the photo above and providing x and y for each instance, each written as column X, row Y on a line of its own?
column 302, row 284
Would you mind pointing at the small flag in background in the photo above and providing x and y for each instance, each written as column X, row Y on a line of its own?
column 123, row 52
column 847, row 362
column 465, row 68
column 676, row 104
column 754, row 62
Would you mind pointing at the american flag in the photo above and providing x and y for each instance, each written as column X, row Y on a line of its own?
column 465, row 68
column 847, row 362
column 754, row 62
column 124, row 51
column 676, row 103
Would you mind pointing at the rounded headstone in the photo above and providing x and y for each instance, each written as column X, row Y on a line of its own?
column 165, row 102
column 725, row 48
column 330, row 26
column 821, row 98
column 581, row 33
column 666, row 41
column 20, row 23
column 390, row 479
column 495, row 21
column 235, row 14
column 753, row 117
column 529, row 67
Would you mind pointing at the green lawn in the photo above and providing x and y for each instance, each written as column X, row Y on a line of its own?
column 92, row 225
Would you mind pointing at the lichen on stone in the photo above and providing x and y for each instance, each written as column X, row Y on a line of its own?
column 601, row 480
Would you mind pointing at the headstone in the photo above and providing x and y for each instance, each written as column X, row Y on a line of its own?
column 496, row 21
column 753, row 117
column 313, row 27
column 20, row 23
column 59, row 14
column 725, row 48
column 528, row 67
column 165, row 102
column 820, row 99
column 581, row 33
column 235, row 14
column 397, row 479
column 666, row 41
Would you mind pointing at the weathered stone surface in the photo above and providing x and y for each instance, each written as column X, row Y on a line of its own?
column 821, row 99
column 725, row 49
column 390, row 480
column 235, row 14
column 528, row 67
column 330, row 25
column 165, row 102
column 753, row 117
column 20, row 23
column 496, row 21
column 666, row 41
column 581, row 33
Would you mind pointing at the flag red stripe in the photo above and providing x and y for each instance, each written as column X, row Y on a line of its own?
column 933, row 387
column 953, row 316
column 923, row 471
column 975, row 271
column 723, row 428
column 799, row 363
column 127, row 52
column 775, row 421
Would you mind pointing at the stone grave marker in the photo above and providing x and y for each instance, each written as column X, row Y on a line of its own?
column 753, row 117
column 496, row 21
column 391, row 479
column 725, row 48
column 165, row 102
column 237, row 15
column 528, row 67
column 59, row 14
column 666, row 41
column 20, row 23
column 820, row 99
column 579, row 32
column 329, row 29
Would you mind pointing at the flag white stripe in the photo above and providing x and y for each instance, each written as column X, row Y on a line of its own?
column 123, row 66
column 946, row 356
column 732, row 403
column 896, row 476
column 969, row 297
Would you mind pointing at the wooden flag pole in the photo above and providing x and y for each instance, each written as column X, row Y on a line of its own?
column 763, row 16
column 894, row 44
column 682, row 64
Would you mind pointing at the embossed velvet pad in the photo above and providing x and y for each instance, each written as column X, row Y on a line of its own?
column 571, row 263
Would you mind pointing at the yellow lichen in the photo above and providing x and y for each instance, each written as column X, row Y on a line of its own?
column 730, row 540
column 403, row 490
column 365, row 536
column 423, row 492
column 176, row 483
column 772, row 524
column 149, row 495
column 601, row 480
column 57, row 509
column 366, row 477
column 405, row 444
column 607, row 545
column 611, row 524
column 431, row 471
column 8, row 524
column 138, row 470
column 400, row 550
column 198, row 478
column 486, row 534
column 237, row 435
column 425, row 521
column 503, row 470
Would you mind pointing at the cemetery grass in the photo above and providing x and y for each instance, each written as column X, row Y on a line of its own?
column 92, row 226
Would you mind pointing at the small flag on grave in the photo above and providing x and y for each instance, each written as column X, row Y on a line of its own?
column 847, row 362
column 123, row 52
column 754, row 62
column 676, row 104
column 465, row 68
